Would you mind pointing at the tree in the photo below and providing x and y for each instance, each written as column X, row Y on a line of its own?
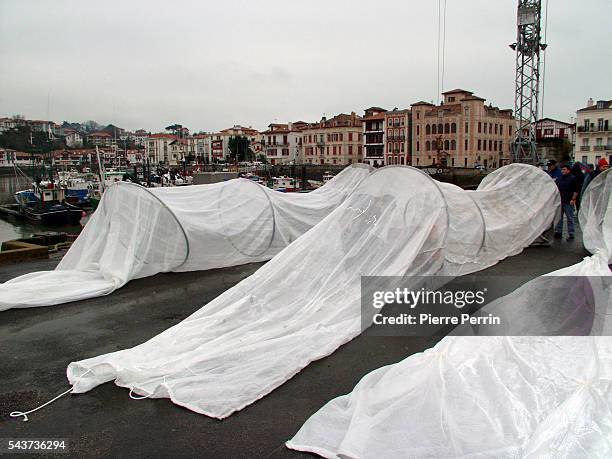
column 239, row 148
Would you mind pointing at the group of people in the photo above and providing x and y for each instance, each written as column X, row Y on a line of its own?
column 572, row 182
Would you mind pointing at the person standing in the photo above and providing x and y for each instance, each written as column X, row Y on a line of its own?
column 566, row 184
column 577, row 173
column 602, row 165
column 553, row 169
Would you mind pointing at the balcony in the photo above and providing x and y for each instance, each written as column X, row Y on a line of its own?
column 585, row 148
column 593, row 128
column 599, row 147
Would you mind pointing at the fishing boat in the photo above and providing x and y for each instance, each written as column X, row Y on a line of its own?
column 327, row 176
column 285, row 184
column 45, row 203
column 77, row 187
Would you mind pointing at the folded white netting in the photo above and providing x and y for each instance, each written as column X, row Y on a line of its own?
column 492, row 396
column 138, row 232
column 305, row 302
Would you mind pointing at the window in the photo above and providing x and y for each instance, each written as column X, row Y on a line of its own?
column 434, row 129
column 427, row 146
column 600, row 124
column 418, row 115
column 341, row 137
column 350, row 136
column 418, row 130
column 339, row 149
column 447, row 128
column 427, row 129
column 484, row 145
column 359, row 150
column 402, row 145
column 495, row 145
column 466, row 127
column 417, row 146
column 490, row 128
column 334, row 150
column 350, row 149
column 453, row 128
column 451, row 99
column 464, row 162
column 446, row 145
column 490, row 145
column 479, row 127
column 453, row 145
column 479, row 144
column 584, row 159
column 510, row 130
column 465, row 144
column 440, row 128
column 496, row 128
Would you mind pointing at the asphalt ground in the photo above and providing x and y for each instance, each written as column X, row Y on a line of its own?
column 36, row 345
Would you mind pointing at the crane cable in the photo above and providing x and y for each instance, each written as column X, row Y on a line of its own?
column 544, row 61
column 441, row 48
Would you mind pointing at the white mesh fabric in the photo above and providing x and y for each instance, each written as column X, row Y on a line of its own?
column 595, row 215
column 137, row 232
column 258, row 334
column 486, row 396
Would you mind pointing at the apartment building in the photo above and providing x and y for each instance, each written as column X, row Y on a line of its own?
column 461, row 132
column 594, row 132
column 397, row 137
column 157, row 148
column 555, row 139
column 282, row 143
column 337, row 140
column 374, row 136
column 224, row 135
column 100, row 139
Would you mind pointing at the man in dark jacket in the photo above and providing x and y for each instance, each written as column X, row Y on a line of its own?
column 578, row 174
column 553, row 169
column 569, row 192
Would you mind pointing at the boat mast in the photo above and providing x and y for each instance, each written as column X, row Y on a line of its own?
column 101, row 172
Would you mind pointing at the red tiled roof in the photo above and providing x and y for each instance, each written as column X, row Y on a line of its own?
column 452, row 91
column 100, row 134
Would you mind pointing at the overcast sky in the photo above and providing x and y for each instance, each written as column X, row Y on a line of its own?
column 212, row 64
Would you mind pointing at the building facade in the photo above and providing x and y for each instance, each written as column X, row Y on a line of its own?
column 397, row 137
column 157, row 148
column 282, row 143
column 73, row 139
column 461, row 132
column 333, row 141
column 594, row 132
column 100, row 139
column 374, row 136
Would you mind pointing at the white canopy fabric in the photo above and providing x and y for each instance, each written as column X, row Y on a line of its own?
column 138, row 232
column 305, row 302
column 491, row 396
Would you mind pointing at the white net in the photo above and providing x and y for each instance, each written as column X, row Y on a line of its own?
column 138, row 232
column 256, row 335
column 492, row 396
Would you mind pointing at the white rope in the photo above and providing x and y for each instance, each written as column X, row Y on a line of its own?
column 140, row 397
column 15, row 414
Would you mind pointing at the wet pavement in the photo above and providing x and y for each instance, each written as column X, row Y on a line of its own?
column 37, row 345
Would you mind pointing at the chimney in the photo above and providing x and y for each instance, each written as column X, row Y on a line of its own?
column 590, row 102
column 290, row 125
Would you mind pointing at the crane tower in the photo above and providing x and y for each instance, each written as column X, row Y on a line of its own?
column 527, row 82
